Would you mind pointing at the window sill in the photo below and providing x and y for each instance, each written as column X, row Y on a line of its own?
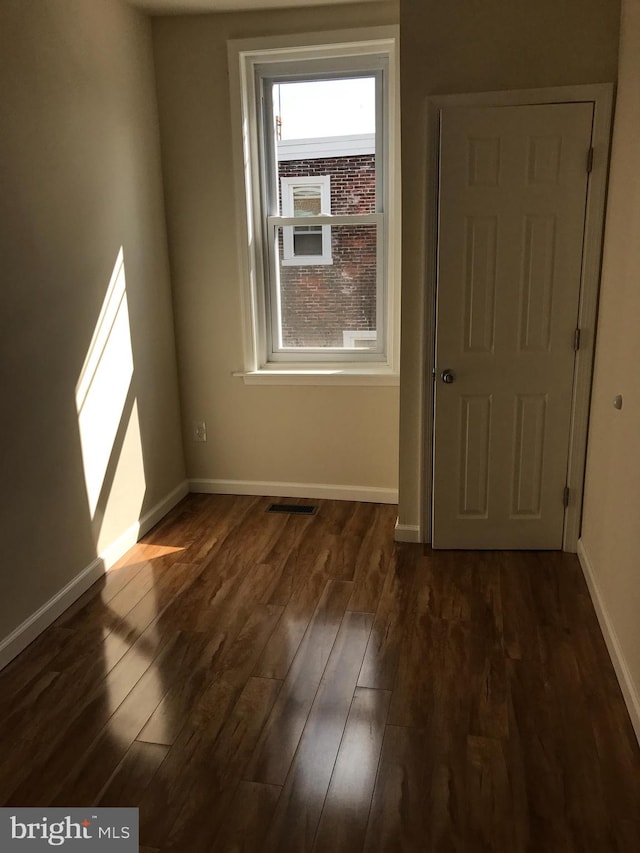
column 316, row 375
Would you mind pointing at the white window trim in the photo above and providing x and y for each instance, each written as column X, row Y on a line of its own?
column 287, row 185
column 244, row 56
column 350, row 336
column 374, row 64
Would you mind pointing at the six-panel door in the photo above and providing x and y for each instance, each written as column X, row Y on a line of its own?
column 513, row 183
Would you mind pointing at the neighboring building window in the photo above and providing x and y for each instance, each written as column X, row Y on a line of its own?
column 301, row 198
column 355, row 339
column 323, row 253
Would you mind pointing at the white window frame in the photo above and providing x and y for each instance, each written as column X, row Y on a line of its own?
column 287, row 186
column 366, row 49
column 351, row 336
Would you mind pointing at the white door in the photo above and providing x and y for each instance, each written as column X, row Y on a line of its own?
column 513, row 184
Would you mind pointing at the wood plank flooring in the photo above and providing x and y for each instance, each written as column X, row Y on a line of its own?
column 257, row 682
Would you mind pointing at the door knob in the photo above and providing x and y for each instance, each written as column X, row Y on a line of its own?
column 448, row 376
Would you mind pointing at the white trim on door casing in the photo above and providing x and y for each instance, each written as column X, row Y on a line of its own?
column 407, row 532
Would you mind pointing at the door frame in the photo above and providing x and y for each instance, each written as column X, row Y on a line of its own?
column 601, row 96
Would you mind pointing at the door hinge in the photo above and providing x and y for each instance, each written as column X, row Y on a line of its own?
column 565, row 497
column 576, row 340
column 590, row 161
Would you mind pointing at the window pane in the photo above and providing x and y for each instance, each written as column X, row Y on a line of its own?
column 330, row 305
column 315, row 108
column 309, row 243
column 307, row 201
column 327, row 128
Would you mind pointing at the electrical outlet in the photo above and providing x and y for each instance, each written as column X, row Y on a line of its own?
column 199, row 431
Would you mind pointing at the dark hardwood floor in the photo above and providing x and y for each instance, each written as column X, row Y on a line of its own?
column 259, row 682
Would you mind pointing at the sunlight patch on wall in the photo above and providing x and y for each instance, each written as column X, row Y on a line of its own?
column 108, row 417
column 121, row 503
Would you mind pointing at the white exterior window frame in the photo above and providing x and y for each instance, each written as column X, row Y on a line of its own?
column 350, row 337
column 287, row 187
column 350, row 52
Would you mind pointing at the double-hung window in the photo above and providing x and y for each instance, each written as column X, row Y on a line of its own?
column 319, row 176
column 305, row 197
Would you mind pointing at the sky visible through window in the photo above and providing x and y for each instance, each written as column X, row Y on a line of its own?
column 318, row 108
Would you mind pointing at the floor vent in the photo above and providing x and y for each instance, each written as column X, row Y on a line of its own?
column 296, row 509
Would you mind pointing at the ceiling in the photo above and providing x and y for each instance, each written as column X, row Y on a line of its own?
column 184, row 7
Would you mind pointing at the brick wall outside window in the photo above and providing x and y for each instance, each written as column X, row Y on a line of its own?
column 320, row 302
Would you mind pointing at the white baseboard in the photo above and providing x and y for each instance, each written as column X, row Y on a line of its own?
column 26, row 633
column 407, row 533
column 367, row 494
column 629, row 689
column 112, row 553
column 35, row 624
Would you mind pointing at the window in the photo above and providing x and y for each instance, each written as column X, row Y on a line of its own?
column 318, row 147
column 352, row 338
column 306, row 197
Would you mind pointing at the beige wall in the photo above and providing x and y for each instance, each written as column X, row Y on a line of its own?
column 81, row 178
column 329, row 435
column 612, row 494
column 474, row 46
